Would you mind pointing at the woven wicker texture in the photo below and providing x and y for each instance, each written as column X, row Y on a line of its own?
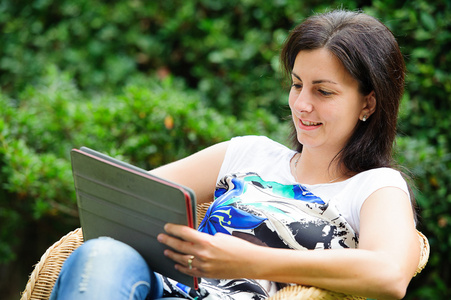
column 424, row 255
column 299, row 292
column 46, row 272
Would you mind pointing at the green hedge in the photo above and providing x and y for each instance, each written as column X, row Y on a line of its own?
column 76, row 72
column 226, row 49
column 149, row 124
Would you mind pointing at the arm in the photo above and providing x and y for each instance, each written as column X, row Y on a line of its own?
column 381, row 267
column 198, row 171
column 385, row 261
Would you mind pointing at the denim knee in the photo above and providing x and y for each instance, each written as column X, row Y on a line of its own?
column 106, row 268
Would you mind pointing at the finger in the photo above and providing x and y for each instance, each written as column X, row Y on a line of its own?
column 185, row 263
column 192, row 272
column 175, row 243
column 181, row 231
column 180, row 258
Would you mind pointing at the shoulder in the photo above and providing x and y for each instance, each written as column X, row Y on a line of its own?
column 256, row 147
column 362, row 185
column 248, row 141
column 351, row 194
column 258, row 154
column 381, row 177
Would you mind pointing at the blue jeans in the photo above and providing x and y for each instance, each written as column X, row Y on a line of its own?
column 104, row 268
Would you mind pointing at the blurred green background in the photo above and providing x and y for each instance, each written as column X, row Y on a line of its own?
column 153, row 81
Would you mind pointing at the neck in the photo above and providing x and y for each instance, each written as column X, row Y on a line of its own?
column 317, row 168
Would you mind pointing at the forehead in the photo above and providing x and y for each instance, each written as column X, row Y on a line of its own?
column 320, row 64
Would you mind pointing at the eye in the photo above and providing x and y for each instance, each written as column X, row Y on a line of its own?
column 325, row 93
column 296, row 86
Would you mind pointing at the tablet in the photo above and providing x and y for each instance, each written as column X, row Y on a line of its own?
column 126, row 203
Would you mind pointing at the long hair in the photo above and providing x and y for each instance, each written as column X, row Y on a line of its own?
column 369, row 52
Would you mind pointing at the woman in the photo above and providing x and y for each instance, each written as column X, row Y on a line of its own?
column 337, row 191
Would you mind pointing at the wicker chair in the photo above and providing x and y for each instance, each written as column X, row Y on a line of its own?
column 45, row 273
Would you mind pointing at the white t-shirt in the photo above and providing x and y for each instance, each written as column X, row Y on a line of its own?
column 259, row 200
column 271, row 161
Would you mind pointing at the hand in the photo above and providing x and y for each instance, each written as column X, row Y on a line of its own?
column 218, row 256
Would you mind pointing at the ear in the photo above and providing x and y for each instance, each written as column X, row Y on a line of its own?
column 369, row 106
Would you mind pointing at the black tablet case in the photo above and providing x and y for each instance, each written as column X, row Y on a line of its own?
column 128, row 204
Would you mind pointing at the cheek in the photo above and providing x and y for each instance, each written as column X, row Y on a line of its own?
column 292, row 99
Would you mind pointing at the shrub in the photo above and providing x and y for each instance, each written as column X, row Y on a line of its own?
column 226, row 52
column 149, row 124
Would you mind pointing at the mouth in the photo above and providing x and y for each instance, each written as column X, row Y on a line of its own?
column 308, row 123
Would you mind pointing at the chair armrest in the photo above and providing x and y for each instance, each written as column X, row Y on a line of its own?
column 46, row 271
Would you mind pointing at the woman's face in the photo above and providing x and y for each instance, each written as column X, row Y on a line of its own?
column 324, row 100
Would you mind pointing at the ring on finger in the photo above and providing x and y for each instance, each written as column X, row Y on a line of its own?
column 190, row 262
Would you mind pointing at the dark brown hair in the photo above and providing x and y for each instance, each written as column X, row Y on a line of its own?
column 369, row 52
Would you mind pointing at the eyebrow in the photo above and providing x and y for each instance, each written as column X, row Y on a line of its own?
column 315, row 81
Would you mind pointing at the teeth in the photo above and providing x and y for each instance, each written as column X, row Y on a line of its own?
column 306, row 123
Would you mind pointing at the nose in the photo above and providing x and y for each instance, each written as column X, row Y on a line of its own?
column 302, row 101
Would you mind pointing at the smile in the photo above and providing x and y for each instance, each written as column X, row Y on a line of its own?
column 307, row 123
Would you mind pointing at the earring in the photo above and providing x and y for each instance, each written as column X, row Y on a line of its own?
column 364, row 118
